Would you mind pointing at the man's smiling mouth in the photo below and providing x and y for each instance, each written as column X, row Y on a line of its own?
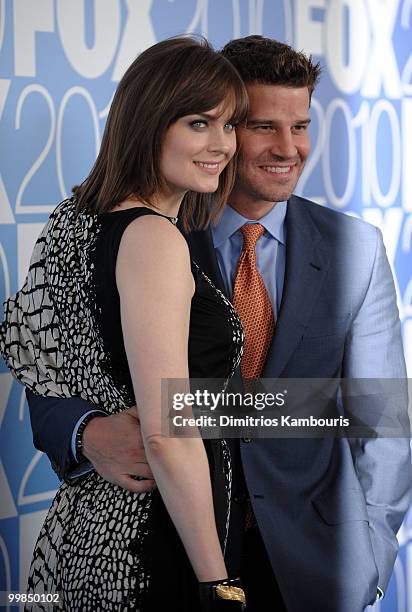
column 277, row 169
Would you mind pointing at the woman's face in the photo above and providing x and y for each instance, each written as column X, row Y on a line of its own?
column 196, row 149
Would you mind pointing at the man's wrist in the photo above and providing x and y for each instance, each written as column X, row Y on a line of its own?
column 77, row 439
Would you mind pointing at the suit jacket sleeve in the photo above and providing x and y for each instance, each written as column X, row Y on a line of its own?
column 53, row 420
column 383, row 464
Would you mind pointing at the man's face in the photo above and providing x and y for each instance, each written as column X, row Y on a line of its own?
column 274, row 146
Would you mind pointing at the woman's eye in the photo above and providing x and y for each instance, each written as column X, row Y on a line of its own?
column 230, row 127
column 198, row 124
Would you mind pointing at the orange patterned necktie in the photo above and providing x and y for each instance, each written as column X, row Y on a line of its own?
column 251, row 300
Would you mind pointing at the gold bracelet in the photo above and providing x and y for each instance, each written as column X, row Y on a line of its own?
column 233, row 593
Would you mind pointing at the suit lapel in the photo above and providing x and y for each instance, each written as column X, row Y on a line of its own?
column 307, row 262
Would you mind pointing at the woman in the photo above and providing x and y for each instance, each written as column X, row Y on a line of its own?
column 111, row 306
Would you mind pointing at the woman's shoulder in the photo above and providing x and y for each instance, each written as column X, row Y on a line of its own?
column 138, row 229
column 152, row 243
column 154, row 251
column 153, row 232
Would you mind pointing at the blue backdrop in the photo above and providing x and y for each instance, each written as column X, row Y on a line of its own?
column 60, row 61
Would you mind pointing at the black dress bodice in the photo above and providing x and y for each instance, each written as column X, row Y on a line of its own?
column 215, row 330
column 214, row 350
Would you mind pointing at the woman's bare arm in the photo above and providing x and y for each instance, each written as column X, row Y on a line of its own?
column 156, row 286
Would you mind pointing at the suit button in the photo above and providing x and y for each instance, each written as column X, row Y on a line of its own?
column 246, row 440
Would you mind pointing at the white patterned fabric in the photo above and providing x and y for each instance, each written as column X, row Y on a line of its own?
column 48, row 337
column 49, row 341
column 95, row 546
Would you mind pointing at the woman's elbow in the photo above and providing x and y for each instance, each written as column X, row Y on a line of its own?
column 160, row 446
column 156, row 444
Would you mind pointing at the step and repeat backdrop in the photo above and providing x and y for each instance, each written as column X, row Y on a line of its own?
column 60, row 61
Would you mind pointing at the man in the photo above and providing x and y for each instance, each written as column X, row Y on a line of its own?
column 327, row 510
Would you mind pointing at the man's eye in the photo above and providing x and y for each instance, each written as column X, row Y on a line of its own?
column 263, row 128
column 301, row 128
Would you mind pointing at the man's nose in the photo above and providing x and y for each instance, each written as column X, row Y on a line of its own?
column 283, row 144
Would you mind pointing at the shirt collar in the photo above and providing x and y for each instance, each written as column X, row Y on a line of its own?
column 231, row 221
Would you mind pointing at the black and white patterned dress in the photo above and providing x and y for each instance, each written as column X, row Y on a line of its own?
column 102, row 547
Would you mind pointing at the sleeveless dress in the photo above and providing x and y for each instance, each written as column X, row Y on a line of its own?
column 104, row 548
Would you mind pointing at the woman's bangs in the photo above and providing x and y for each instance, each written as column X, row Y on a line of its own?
column 232, row 95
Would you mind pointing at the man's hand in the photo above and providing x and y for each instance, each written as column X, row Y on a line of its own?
column 114, row 446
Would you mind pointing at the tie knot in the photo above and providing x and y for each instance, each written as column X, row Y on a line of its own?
column 251, row 234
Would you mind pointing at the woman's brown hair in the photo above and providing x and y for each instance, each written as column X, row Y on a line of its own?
column 174, row 78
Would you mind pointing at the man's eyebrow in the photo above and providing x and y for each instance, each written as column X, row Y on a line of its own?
column 252, row 122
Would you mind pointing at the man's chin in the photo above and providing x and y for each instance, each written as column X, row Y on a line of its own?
column 276, row 193
column 278, row 196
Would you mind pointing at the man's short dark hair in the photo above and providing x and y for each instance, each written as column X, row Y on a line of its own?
column 270, row 62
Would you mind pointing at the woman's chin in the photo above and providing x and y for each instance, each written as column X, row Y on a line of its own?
column 206, row 188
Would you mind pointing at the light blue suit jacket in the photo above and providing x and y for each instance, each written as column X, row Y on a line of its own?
column 329, row 509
